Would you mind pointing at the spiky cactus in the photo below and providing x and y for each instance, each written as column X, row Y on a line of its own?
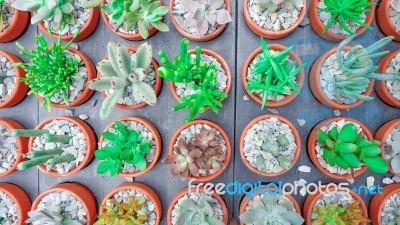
column 119, row 71
column 52, row 215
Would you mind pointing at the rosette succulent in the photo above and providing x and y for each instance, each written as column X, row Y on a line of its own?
column 52, row 215
column 273, row 5
column 335, row 214
column 201, row 212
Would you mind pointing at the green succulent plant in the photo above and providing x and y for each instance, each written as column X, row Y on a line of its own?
column 126, row 145
column 201, row 212
column 119, row 71
column 348, row 149
column 274, row 74
column 184, row 69
column 52, row 215
column 334, row 214
column 394, row 221
column 273, row 5
column 48, row 157
column 344, row 11
column 1, row 15
column 271, row 209
column 275, row 148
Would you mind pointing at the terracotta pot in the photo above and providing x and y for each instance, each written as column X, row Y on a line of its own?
column 270, row 34
column 384, row 21
column 380, row 85
column 90, row 144
column 157, row 138
column 20, row 88
column 82, row 193
column 157, row 86
column 245, row 202
column 150, row 193
column 295, row 134
column 87, row 93
column 318, row 25
column 185, row 191
column 224, row 65
column 18, row 25
column 88, row 28
column 192, row 37
column 21, row 199
column 22, row 143
column 318, row 92
column 224, row 136
column 312, row 142
column 299, row 78
column 131, row 37
column 378, row 202
column 312, row 199
column 382, row 134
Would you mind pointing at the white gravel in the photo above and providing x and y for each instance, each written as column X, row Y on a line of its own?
column 8, row 149
column 394, row 16
column 8, row 209
column 8, row 13
column 391, row 209
column 340, row 198
column 8, row 78
column 394, row 68
column 392, row 145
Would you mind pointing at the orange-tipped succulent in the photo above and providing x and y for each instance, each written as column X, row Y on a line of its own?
column 334, row 214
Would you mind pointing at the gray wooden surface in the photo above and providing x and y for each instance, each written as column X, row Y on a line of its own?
column 235, row 44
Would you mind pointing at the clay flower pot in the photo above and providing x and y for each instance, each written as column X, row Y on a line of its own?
column 378, row 202
column 384, row 21
column 90, row 144
column 17, row 26
column 21, row 199
column 88, row 28
column 82, row 193
column 157, row 86
column 20, row 88
column 157, row 138
column 192, row 37
column 312, row 199
column 224, row 66
column 185, row 191
column 382, row 134
column 299, row 79
column 380, row 85
column 270, row 34
column 144, row 189
column 318, row 25
column 264, row 117
column 224, row 136
column 318, row 92
column 22, row 144
column 131, row 37
column 312, row 142
column 86, row 93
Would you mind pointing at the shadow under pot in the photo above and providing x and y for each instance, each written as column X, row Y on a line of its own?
column 12, row 90
column 384, row 208
column 185, row 204
column 389, row 135
column 389, row 91
column 59, row 146
column 387, row 18
column 274, row 21
column 199, row 151
column 342, row 201
column 14, row 24
column 336, row 33
column 140, row 160
column 280, row 100
column 128, row 195
column 15, row 204
column 270, row 145
column 72, row 200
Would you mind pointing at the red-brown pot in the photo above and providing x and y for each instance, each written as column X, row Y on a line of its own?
column 384, row 22
column 21, row 199
column 270, row 34
column 378, row 202
column 18, row 25
column 312, row 142
column 380, row 85
column 157, row 138
column 185, row 191
column 382, row 134
column 146, row 190
column 318, row 25
column 207, row 37
column 318, row 92
column 82, row 193
column 296, row 138
column 299, row 78
column 20, row 88
column 224, row 136
column 90, row 144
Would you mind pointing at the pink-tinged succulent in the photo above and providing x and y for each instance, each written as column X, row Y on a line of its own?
column 205, row 139
column 214, row 160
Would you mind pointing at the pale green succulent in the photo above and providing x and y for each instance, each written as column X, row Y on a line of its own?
column 271, row 209
column 275, row 148
column 121, row 70
column 52, row 215
column 272, row 5
column 200, row 212
column 58, row 11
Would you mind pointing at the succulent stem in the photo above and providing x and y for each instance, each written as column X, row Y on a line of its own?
column 33, row 162
column 61, row 159
column 64, row 139
column 29, row 133
column 42, row 153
